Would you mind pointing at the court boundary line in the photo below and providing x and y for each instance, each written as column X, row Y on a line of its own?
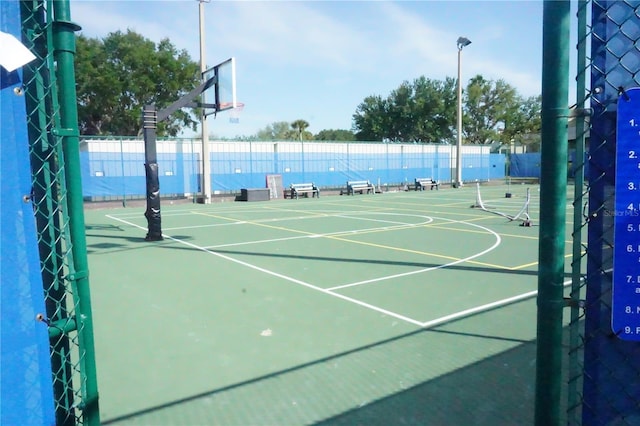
column 312, row 235
column 284, row 277
column 422, row 324
column 341, row 234
column 419, row 271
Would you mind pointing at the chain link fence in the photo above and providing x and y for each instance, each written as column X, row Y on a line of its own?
column 113, row 165
column 45, row 31
column 603, row 371
column 603, row 385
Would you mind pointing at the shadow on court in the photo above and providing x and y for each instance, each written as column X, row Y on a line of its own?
column 120, row 243
column 497, row 390
column 421, row 265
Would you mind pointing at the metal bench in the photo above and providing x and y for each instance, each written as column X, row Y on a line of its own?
column 360, row 186
column 297, row 189
column 422, row 183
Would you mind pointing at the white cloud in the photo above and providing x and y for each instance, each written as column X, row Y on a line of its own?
column 98, row 19
column 412, row 37
column 317, row 60
column 291, row 33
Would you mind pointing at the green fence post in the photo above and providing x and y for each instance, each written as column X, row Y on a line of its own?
column 64, row 52
column 573, row 414
column 553, row 194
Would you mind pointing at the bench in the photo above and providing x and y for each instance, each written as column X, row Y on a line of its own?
column 297, row 189
column 360, row 186
column 422, row 183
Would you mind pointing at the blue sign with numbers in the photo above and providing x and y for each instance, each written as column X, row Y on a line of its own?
column 625, row 320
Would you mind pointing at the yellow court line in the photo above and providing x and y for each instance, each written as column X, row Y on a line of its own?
column 310, row 214
column 364, row 243
column 444, row 226
column 423, row 253
column 281, row 228
column 215, row 216
column 307, row 215
column 526, row 265
column 509, row 268
column 448, row 213
column 492, row 265
column 357, row 242
column 437, row 205
column 358, row 206
column 429, row 211
column 342, row 239
column 441, row 226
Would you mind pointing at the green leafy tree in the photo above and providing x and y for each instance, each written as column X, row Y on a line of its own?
column 524, row 124
column 299, row 128
column 278, row 130
column 419, row 111
column 118, row 75
column 424, row 111
column 370, row 122
column 435, row 110
column 335, row 135
column 490, row 108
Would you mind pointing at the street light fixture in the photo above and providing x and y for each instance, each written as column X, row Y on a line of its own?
column 462, row 42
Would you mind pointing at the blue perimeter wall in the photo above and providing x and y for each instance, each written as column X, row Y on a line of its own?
column 26, row 389
column 116, row 169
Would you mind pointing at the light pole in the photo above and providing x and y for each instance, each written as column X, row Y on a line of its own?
column 462, row 42
column 206, row 164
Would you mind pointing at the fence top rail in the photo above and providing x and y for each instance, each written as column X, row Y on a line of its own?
column 89, row 138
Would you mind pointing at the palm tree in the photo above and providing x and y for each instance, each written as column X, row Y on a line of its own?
column 299, row 126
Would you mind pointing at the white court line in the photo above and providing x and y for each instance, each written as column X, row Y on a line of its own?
column 284, row 277
column 328, row 234
column 270, row 220
column 239, row 222
column 483, row 308
column 382, row 221
column 234, row 221
column 397, row 226
column 427, row 324
column 419, row 271
column 190, row 211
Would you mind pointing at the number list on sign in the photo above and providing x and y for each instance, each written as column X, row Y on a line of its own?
column 625, row 320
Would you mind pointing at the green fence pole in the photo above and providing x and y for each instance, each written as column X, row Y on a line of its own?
column 64, row 52
column 573, row 414
column 553, row 194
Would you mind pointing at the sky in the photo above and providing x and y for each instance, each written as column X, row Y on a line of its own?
column 318, row 60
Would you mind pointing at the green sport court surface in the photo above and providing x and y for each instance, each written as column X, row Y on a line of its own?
column 394, row 308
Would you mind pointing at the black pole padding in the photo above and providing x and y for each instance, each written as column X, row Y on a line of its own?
column 149, row 124
column 152, row 213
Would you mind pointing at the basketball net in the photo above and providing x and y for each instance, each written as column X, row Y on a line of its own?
column 234, row 113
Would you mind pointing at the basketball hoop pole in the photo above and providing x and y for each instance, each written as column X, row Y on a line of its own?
column 206, row 164
column 150, row 118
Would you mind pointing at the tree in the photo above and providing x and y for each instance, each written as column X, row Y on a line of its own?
column 299, row 128
column 494, row 112
column 120, row 74
column 489, row 108
column 370, row 121
column 436, row 103
column 335, row 135
column 419, row 111
column 525, row 124
column 424, row 111
column 278, row 130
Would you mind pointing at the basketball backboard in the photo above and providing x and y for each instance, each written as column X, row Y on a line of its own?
column 221, row 96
